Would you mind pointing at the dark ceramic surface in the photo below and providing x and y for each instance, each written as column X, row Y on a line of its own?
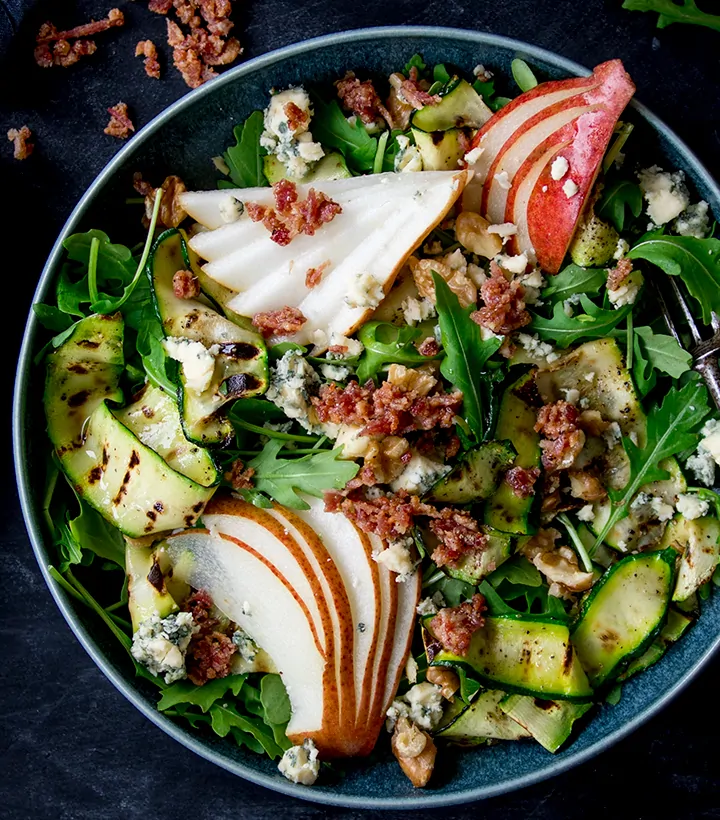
column 512, row 763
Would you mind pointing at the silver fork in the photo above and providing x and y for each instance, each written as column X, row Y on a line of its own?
column 705, row 352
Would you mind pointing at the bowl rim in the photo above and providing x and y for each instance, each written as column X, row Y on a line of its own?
column 20, row 444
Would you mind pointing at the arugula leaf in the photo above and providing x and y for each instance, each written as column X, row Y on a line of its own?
column 695, row 261
column 466, row 354
column 518, row 570
column 257, row 411
column 671, row 428
column 416, row 61
column 662, row 352
column 225, row 717
column 152, row 353
column 523, row 74
column 379, row 160
column 282, row 478
column 565, row 330
column 387, row 344
column 617, row 199
column 52, row 317
column 331, row 128
column 643, row 373
column 183, row 691
column 245, row 158
column 571, row 280
column 672, row 12
column 114, row 262
column 274, row 700
column 441, row 74
column 92, row 532
column 453, row 590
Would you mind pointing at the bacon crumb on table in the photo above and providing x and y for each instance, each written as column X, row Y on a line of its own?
column 20, row 138
column 185, row 284
column 148, row 50
column 455, row 626
column 63, row 53
column 504, row 309
column 120, row 124
column 292, row 216
column 283, row 322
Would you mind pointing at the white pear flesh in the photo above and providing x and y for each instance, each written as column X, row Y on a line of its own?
column 352, row 554
column 408, row 597
column 262, row 602
column 339, row 604
column 384, row 217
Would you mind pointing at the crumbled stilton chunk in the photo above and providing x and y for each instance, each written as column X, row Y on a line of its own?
column 160, row 644
column 300, row 763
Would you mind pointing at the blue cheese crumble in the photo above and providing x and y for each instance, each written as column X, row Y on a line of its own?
column 690, row 506
column 160, row 644
column 420, row 474
column 300, row 764
column 665, row 193
column 197, row 362
column 294, row 147
column 292, row 382
column 408, row 157
column 703, row 462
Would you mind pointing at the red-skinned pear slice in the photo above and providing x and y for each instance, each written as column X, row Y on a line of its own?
column 335, row 593
column 384, row 218
column 581, row 113
column 257, row 597
column 389, row 596
column 252, row 525
column 408, row 598
column 351, row 551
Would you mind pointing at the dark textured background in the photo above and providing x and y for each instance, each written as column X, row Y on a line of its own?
column 70, row 745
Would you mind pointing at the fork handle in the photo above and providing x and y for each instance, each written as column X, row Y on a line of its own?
column 709, row 369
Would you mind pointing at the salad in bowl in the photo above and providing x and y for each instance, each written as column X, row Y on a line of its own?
column 384, row 445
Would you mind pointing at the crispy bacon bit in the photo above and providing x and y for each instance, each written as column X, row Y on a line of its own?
column 413, row 92
column 563, row 439
column 160, row 6
column 313, row 278
column 361, row 99
column 283, row 322
column 522, row 481
column 147, row 49
column 185, row 284
column 120, row 124
column 429, row 347
column 388, row 516
column 292, row 216
column 20, row 138
column 390, row 409
column 619, row 273
column 210, row 651
column 455, row 626
column 452, row 448
column 339, row 349
column 504, row 309
column 63, row 53
column 296, row 116
column 186, row 57
column 171, row 213
column 459, row 536
column 239, row 476
column 48, row 32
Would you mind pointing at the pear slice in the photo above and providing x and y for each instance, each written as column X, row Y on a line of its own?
column 339, row 604
column 384, row 218
column 408, row 597
column 351, row 551
column 256, row 596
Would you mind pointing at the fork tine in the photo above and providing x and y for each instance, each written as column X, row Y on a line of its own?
column 715, row 322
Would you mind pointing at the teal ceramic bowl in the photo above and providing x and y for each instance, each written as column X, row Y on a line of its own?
column 182, row 140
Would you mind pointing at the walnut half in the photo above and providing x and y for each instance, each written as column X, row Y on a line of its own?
column 415, row 752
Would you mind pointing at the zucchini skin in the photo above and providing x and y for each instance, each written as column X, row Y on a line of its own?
column 476, row 476
column 509, row 652
column 606, row 645
column 549, row 722
column 460, row 106
column 241, row 367
column 481, row 720
column 504, row 510
column 128, row 483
